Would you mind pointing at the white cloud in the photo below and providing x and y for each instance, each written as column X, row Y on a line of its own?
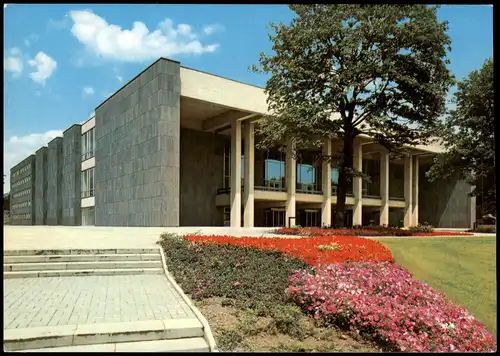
column 88, row 91
column 30, row 39
column 209, row 29
column 120, row 79
column 13, row 62
column 44, row 66
column 59, row 24
column 18, row 148
column 137, row 44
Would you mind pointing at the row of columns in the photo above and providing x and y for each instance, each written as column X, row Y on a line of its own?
column 410, row 182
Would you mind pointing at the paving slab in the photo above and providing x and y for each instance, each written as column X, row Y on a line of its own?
column 58, row 301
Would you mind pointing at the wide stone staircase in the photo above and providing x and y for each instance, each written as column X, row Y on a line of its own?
column 170, row 335
column 78, row 262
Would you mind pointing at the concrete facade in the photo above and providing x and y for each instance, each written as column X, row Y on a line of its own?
column 71, row 182
column 445, row 203
column 177, row 147
column 138, row 151
column 54, row 181
column 22, row 198
column 41, row 186
column 200, row 177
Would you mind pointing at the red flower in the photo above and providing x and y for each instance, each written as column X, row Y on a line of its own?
column 310, row 249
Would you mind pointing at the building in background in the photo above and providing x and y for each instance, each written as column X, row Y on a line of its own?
column 22, row 190
column 176, row 147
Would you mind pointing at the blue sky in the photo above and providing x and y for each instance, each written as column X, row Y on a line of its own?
column 56, row 72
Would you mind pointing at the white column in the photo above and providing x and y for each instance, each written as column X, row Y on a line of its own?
column 326, row 176
column 416, row 163
column 248, row 197
column 357, row 188
column 236, row 174
column 408, row 191
column 384, row 187
column 291, row 183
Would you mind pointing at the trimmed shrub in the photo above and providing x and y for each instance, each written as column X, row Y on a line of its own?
column 255, row 278
column 357, row 231
column 425, row 227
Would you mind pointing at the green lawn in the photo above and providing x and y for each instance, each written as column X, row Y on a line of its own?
column 463, row 268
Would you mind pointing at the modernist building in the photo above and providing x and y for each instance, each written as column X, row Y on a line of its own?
column 176, row 147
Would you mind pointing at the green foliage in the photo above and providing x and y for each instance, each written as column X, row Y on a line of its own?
column 229, row 339
column 340, row 70
column 287, row 320
column 255, row 278
column 425, row 227
column 468, row 136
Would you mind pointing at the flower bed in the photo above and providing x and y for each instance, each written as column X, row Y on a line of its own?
column 314, row 250
column 382, row 300
column 443, row 233
column 365, row 231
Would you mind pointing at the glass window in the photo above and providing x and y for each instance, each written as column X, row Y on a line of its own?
column 88, row 183
column 88, row 144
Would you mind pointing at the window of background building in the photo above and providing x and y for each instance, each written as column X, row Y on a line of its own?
column 88, row 183
column 88, row 144
column 88, row 216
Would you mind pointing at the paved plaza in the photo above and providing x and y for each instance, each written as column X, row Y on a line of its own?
column 56, row 301
column 97, row 237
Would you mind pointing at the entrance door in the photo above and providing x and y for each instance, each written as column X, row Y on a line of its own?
column 274, row 218
column 312, row 218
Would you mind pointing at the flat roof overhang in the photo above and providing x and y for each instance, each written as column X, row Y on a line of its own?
column 210, row 103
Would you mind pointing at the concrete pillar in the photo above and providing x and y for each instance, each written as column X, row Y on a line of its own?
column 248, row 201
column 384, row 187
column 236, row 174
column 326, row 175
column 416, row 163
column 472, row 209
column 291, row 183
column 357, row 188
column 408, row 191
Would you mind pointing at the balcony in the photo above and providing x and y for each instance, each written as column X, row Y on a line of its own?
column 272, row 186
column 87, row 193
column 303, row 188
column 88, row 154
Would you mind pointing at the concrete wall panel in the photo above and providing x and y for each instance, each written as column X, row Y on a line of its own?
column 41, row 186
column 201, row 176
column 444, row 203
column 71, row 176
column 54, row 181
column 138, row 151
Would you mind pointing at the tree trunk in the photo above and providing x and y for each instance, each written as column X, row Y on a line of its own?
column 344, row 179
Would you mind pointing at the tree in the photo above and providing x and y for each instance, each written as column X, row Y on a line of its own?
column 469, row 138
column 339, row 71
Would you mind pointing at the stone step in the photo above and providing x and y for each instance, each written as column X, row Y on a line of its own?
column 82, row 258
column 80, row 265
column 88, row 272
column 105, row 251
column 193, row 344
column 103, row 333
